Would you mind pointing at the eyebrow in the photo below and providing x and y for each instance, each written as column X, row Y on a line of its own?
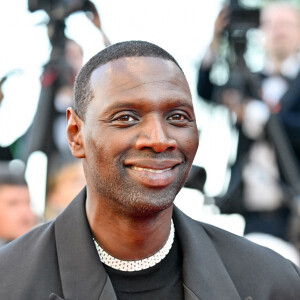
column 137, row 103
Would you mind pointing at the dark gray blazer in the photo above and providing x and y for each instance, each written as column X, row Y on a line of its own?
column 58, row 260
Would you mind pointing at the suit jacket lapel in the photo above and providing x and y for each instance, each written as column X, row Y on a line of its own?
column 204, row 274
column 82, row 274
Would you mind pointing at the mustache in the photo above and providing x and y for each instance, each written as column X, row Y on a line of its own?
column 150, row 154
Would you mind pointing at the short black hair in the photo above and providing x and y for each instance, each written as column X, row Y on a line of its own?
column 82, row 91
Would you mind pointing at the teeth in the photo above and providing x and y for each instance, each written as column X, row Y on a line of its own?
column 150, row 170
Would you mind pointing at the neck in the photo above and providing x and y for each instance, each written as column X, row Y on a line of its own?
column 277, row 60
column 127, row 237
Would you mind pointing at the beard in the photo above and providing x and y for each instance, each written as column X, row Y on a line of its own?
column 127, row 197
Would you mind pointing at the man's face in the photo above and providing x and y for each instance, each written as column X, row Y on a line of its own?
column 16, row 217
column 281, row 28
column 139, row 135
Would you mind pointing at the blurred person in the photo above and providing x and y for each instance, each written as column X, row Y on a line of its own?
column 63, row 186
column 47, row 132
column 16, row 216
column 133, row 126
column 60, row 153
column 258, row 189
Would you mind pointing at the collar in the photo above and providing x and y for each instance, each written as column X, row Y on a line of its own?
column 3, row 242
column 289, row 68
column 137, row 265
column 204, row 274
column 83, row 275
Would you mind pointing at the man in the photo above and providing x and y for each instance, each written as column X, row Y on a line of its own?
column 63, row 186
column 133, row 126
column 16, row 216
column 261, row 182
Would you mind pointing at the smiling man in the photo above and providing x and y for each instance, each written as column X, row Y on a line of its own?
column 133, row 126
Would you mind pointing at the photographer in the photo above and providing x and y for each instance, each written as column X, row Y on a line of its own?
column 47, row 132
column 258, row 189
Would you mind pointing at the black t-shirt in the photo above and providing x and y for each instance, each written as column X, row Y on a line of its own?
column 162, row 281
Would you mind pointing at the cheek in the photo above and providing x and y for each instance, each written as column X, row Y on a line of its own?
column 119, row 142
column 192, row 148
column 189, row 142
column 7, row 217
column 102, row 153
column 93, row 143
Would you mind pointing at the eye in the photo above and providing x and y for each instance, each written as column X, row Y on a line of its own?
column 177, row 117
column 124, row 119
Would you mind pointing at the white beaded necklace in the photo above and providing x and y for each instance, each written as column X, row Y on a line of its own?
column 137, row 265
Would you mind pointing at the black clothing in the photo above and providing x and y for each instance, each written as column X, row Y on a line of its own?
column 59, row 260
column 162, row 281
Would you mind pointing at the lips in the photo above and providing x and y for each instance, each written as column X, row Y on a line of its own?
column 153, row 173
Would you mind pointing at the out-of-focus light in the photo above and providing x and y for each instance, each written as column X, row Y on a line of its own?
column 36, row 175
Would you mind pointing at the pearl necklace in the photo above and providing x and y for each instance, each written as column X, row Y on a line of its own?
column 137, row 265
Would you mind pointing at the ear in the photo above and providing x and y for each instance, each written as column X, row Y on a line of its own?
column 74, row 133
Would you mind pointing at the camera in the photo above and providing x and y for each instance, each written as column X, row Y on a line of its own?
column 57, row 9
column 242, row 18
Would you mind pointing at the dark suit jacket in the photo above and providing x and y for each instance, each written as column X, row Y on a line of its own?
column 58, row 260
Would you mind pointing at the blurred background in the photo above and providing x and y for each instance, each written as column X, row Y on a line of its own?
column 183, row 29
column 222, row 47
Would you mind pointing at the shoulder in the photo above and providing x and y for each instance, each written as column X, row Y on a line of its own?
column 227, row 244
column 253, row 269
column 29, row 264
column 256, row 262
column 31, row 241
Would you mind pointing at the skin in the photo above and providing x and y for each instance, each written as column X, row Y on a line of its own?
column 280, row 24
column 137, row 144
column 16, row 216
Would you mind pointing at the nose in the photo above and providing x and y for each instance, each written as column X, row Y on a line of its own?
column 154, row 135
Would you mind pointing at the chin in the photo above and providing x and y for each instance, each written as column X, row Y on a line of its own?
column 147, row 208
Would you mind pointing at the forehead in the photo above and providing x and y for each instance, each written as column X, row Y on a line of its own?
column 139, row 78
column 277, row 13
column 8, row 191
